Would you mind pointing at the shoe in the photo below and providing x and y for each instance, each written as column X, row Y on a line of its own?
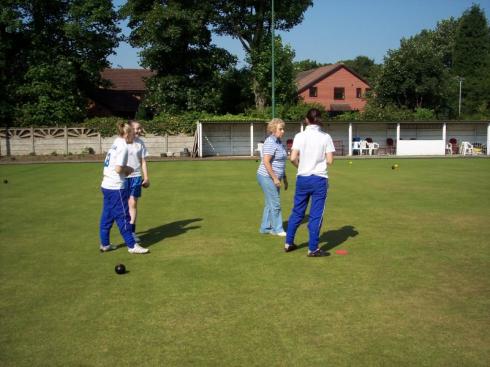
column 137, row 249
column 136, row 238
column 317, row 253
column 280, row 234
column 289, row 248
column 107, row 248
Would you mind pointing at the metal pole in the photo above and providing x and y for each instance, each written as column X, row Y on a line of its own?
column 273, row 71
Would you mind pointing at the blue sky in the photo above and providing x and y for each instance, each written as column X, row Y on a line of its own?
column 340, row 30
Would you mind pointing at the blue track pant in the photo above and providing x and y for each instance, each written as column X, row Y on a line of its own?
column 307, row 187
column 115, row 209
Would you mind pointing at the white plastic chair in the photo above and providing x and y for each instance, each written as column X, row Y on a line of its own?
column 466, row 148
column 449, row 148
column 364, row 147
column 259, row 148
column 356, row 146
column 373, row 148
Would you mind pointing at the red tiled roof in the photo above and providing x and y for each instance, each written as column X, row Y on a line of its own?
column 308, row 78
column 127, row 79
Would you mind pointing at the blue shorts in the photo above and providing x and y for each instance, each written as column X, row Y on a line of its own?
column 133, row 185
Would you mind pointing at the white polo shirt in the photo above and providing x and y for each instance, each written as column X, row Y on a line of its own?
column 313, row 145
column 136, row 152
column 116, row 156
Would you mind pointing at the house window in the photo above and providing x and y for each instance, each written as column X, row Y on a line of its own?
column 339, row 93
column 313, row 92
column 358, row 92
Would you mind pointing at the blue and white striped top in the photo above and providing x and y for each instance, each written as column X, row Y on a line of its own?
column 274, row 147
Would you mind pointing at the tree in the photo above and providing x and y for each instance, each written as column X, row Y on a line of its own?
column 304, row 65
column 261, row 69
column 13, row 46
column 250, row 22
column 176, row 43
column 364, row 66
column 236, row 93
column 471, row 59
column 65, row 44
column 413, row 76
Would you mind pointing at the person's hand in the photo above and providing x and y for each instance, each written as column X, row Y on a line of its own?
column 146, row 183
column 285, row 183
column 129, row 170
column 277, row 182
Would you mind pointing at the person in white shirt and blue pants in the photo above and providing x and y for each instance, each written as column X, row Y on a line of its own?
column 113, row 187
column 311, row 153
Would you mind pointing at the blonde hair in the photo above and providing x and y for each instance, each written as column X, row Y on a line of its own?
column 123, row 128
column 274, row 124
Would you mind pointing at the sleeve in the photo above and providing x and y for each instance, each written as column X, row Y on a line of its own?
column 269, row 147
column 144, row 151
column 297, row 142
column 121, row 155
column 330, row 146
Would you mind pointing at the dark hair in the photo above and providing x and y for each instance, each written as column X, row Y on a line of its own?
column 314, row 116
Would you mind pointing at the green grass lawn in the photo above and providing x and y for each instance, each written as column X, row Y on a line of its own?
column 414, row 289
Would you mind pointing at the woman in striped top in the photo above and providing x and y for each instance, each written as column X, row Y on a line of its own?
column 271, row 172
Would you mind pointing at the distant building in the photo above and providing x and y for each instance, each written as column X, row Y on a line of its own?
column 336, row 87
column 123, row 94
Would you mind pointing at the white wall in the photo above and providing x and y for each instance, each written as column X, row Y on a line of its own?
column 43, row 146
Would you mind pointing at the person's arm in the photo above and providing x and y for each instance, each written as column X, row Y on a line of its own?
column 294, row 157
column 121, row 166
column 125, row 170
column 330, row 158
column 144, row 169
column 268, row 167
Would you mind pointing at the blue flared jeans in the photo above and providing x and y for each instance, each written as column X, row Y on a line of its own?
column 272, row 215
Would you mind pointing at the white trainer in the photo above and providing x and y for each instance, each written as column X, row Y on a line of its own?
column 280, row 234
column 137, row 249
column 107, row 248
column 136, row 238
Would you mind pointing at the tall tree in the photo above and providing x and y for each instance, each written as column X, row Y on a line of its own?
column 471, row 59
column 13, row 46
column 176, row 43
column 261, row 70
column 364, row 66
column 65, row 45
column 413, row 75
column 250, row 22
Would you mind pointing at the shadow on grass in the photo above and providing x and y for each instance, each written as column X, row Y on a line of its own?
column 334, row 238
column 155, row 235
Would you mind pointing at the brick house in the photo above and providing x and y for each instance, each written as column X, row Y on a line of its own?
column 123, row 95
column 336, row 86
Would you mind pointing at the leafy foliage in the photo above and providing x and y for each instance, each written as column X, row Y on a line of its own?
column 250, row 22
column 261, row 71
column 304, row 65
column 364, row 66
column 176, row 43
column 62, row 46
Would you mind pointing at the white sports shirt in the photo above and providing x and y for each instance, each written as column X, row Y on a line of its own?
column 136, row 152
column 313, row 145
column 116, row 156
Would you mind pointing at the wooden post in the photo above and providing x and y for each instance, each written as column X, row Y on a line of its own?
column 32, row 140
column 66, row 140
column 350, row 138
column 251, row 139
